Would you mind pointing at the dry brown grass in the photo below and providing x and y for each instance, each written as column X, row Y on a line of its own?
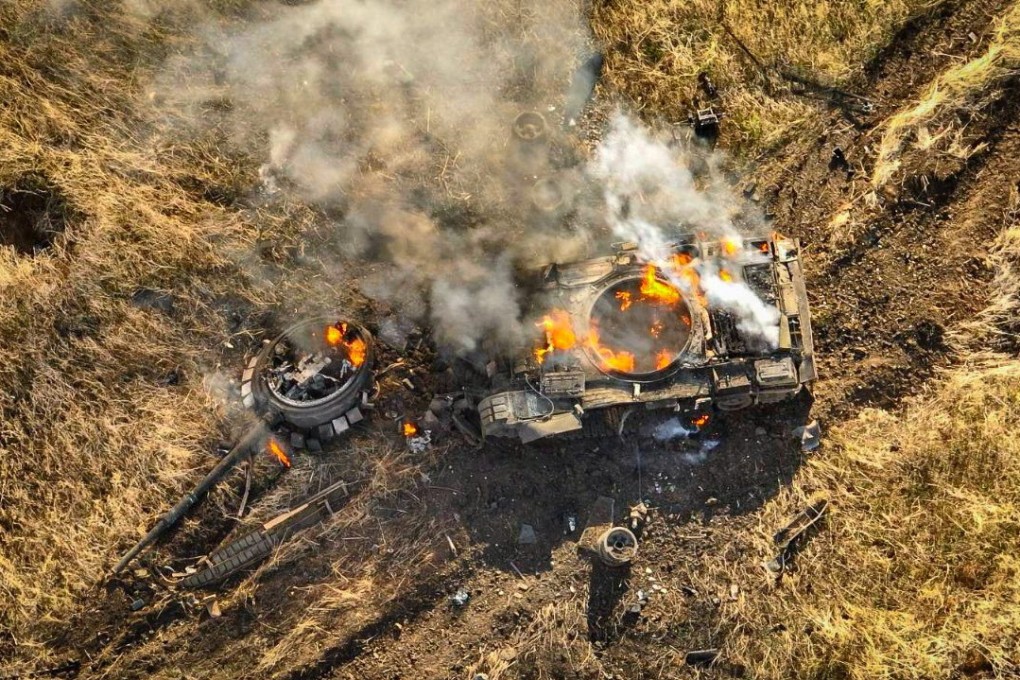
column 93, row 441
column 934, row 123
column 657, row 48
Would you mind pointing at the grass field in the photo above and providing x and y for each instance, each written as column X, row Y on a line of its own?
column 110, row 402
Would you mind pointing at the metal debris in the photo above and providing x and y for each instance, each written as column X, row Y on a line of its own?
column 460, row 598
column 617, row 547
column 701, row 657
column 638, row 516
column 838, row 160
column 810, row 436
column 527, row 535
column 789, row 536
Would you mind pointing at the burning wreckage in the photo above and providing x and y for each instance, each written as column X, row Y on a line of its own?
column 619, row 341
column 623, row 337
column 617, row 338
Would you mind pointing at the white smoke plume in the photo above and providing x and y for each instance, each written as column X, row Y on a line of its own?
column 756, row 320
column 394, row 119
column 648, row 187
column 671, row 429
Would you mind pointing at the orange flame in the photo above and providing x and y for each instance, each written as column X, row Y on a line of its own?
column 410, row 429
column 356, row 348
column 682, row 260
column 654, row 289
column 559, row 333
column 625, row 299
column 725, row 276
column 274, row 448
column 663, row 359
column 683, row 265
column 610, row 359
column 656, row 328
column 333, row 336
column 764, row 247
column 700, row 421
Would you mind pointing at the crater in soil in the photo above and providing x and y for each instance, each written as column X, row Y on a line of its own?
column 33, row 215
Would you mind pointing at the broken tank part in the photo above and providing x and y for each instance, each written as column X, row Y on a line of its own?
column 617, row 336
column 529, row 127
column 617, row 547
column 253, row 547
column 546, row 195
column 314, row 376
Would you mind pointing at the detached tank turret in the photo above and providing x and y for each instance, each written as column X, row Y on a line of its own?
column 719, row 323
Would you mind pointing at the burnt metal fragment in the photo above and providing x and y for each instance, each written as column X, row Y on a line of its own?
column 253, row 547
column 241, row 449
column 701, row 657
column 789, row 537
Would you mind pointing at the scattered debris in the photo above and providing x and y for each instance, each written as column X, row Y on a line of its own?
column 571, row 524
column 212, row 606
column 137, row 604
column 460, row 598
column 789, row 536
column 701, row 657
column 810, row 436
column 707, row 86
column 642, row 601
column 838, row 160
column 417, row 439
column 527, row 535
column 638, row 516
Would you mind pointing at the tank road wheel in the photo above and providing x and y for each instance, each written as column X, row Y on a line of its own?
column 314, row 376
column 617, row 547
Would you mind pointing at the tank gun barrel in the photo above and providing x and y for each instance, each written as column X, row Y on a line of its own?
column 241, row 449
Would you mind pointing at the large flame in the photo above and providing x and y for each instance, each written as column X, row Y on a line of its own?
column 654, row 289
column 356, row 348
column 683, row 265
column 559, row 333
column 409, row 429
column 610, row 359
column 275, row 449
column 732, row 245
column 663, row 359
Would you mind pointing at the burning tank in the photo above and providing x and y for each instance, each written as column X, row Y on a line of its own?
column 720, row 324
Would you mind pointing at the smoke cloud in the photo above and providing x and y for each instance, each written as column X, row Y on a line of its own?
column 395, row 120
column 648, row 186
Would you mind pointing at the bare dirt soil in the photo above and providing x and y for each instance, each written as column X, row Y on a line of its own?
column 369, row 595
